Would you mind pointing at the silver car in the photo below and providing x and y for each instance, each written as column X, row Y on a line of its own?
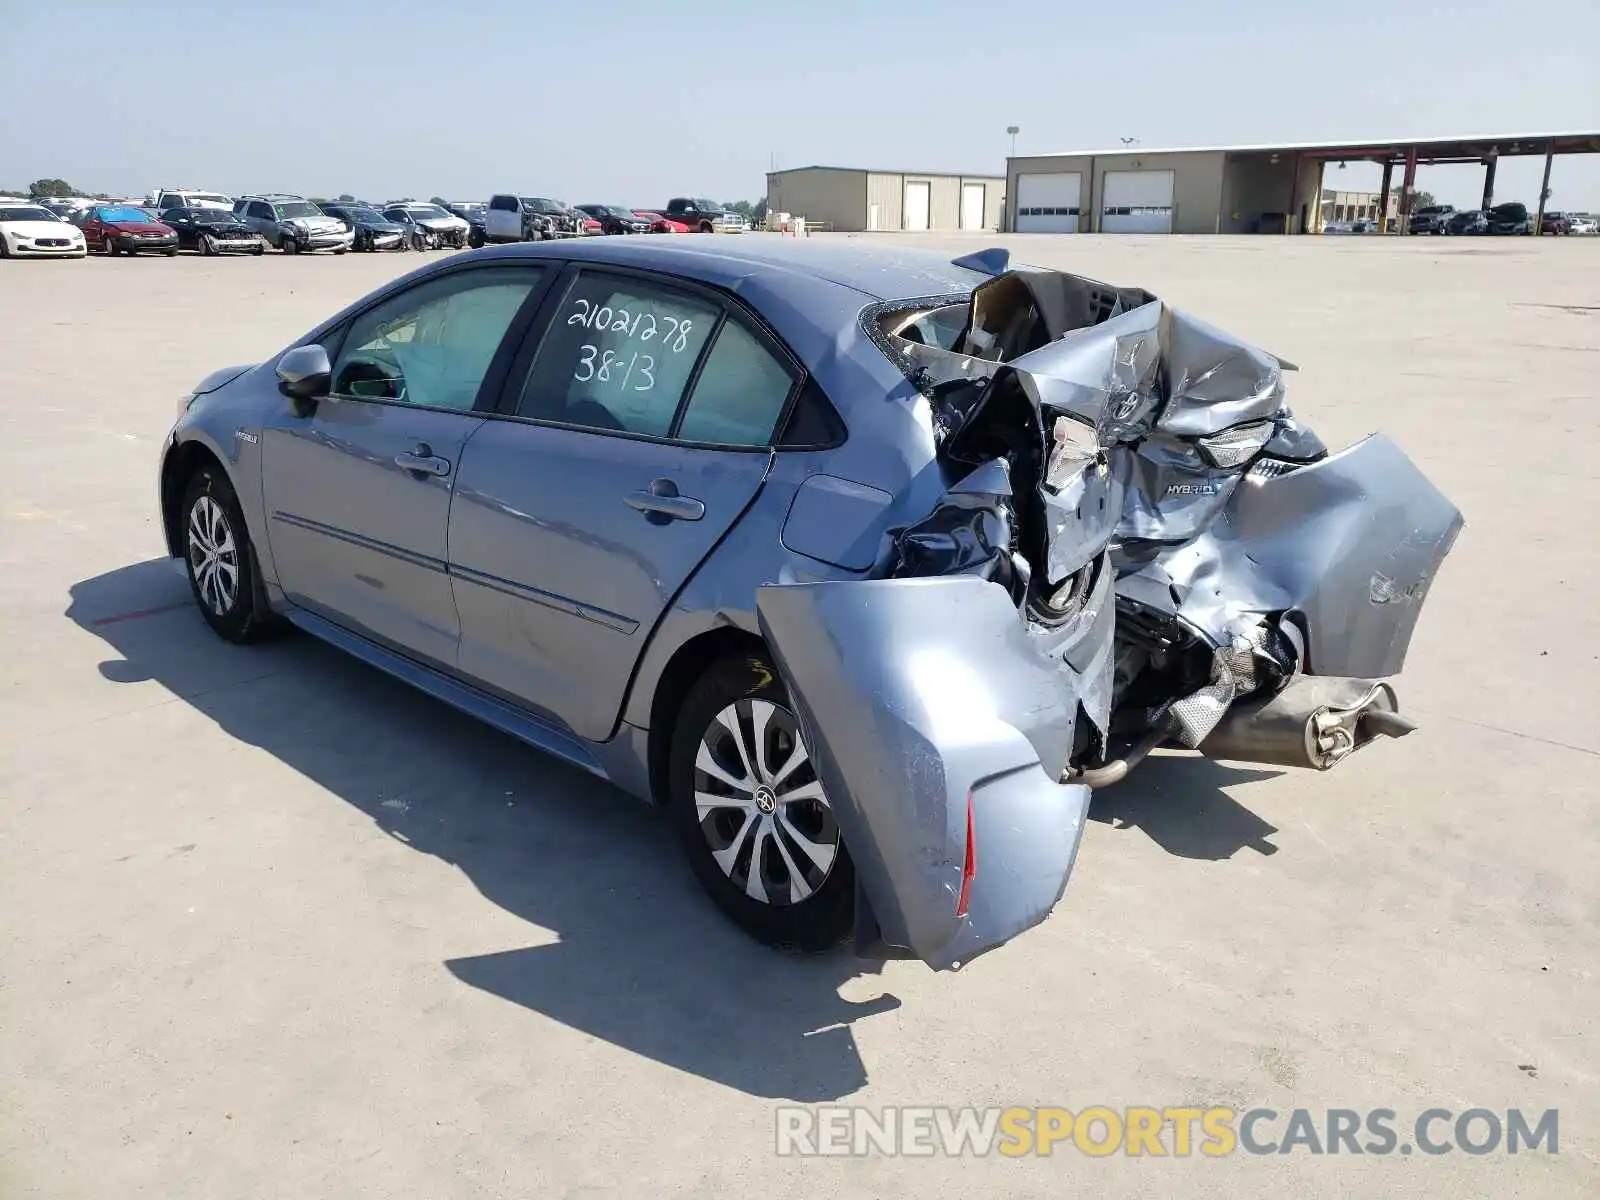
column 293, row 224
column 772, row 537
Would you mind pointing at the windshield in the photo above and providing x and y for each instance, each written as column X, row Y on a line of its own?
column 26, row 212
column 206, row 216
column 708, row 206
column 616, row 210
column 361, row 212
column 1430, row 210
column 426, row 212
column 126, row 215
column 300, row 208
column 473, row 209
column 537, row 204
column 206, row 200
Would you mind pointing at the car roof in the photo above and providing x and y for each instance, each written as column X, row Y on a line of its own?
column 877, row 270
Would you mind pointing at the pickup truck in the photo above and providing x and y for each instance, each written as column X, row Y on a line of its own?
column 703, row 216
column 1431, row 218
column 513, row 218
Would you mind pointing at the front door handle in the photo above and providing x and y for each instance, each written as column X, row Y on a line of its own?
column 423, row 461
column 661, row 503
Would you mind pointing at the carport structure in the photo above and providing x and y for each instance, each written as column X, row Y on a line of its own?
column 1411, row 153
column 1241, row 189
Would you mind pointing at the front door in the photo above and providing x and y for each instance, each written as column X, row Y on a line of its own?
column 918, row 206
column 972, row 206
column 641, row 433
column 357, row 488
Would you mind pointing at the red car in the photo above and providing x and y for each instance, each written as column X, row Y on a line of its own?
column 119, row 228
column 660, row 224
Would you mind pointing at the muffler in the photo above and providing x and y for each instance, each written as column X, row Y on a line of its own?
column 1316, row 721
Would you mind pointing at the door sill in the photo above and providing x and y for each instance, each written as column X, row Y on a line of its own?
column 507, row 718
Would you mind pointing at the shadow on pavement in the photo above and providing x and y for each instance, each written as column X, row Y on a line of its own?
column 643, row 961
column 1178, row 801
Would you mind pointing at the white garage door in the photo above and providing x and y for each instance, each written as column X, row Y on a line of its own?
column 918, row 204
column 972, row 206
column 1136, row 202
column 1049, row 203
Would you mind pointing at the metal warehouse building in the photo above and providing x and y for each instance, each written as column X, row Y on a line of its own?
column 1238, row 189
column 852, row 201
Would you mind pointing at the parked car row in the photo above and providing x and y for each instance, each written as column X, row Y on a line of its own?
column 1509, row 219
column 509, row 217
column 208, row 223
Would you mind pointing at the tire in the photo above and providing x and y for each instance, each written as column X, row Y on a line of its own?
column 5, row 250
column 230, row 596
column 707, row 227
column 475, row 240
column 173, row 253
column 340, row 249
column 810, row 909
column 204, row 244
column 259, row 250
column 288, row 245
column 111, row 248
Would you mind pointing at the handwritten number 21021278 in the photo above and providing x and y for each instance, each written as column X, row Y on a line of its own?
column 642, row 325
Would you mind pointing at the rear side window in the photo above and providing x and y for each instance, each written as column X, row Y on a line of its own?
column 618, row 356
column 740, row 394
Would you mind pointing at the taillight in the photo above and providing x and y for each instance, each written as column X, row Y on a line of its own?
column 969, row 868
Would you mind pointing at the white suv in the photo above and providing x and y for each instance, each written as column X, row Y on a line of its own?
column 189, row 198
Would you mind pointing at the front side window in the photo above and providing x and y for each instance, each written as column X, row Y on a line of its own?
column 740, row 394
column 618, row 356
column 432, row 345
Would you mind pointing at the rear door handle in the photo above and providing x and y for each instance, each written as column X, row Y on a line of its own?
column 662, row 503
column 423, row 461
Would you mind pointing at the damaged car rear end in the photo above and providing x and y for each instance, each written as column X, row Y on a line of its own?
column 1132, row 543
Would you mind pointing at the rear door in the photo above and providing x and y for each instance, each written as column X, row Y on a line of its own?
column 635, row 432
column 358, row 486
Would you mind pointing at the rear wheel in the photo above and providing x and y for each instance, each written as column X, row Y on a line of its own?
column 750, row 810
column 222, row 569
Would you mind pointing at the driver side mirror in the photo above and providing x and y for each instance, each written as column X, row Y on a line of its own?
column 305, row 372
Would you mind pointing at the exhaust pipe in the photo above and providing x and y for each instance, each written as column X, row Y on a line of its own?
column 1317, row 721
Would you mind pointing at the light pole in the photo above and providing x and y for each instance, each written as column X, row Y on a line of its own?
column 1013, row 131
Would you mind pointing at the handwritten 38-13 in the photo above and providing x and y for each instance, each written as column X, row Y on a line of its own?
column 660, row 331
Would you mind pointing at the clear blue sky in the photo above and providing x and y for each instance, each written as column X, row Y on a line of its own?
column 627, row 101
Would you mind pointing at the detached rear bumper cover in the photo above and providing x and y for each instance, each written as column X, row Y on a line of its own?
column 919, row 698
